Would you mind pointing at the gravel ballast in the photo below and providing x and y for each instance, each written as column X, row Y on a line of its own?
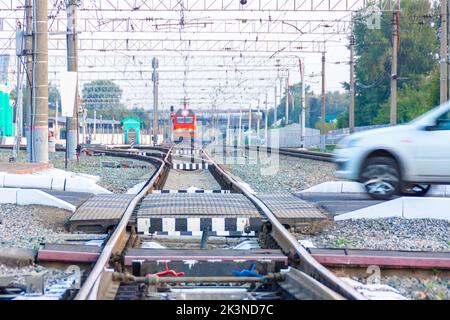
column 285, row 174
column 29, row 226
column 433, row 287
column 51, row 276
column 383, row 234
column 116, row 180
column 420, row 289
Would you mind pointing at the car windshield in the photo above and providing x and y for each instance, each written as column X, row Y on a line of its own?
column 432, row 114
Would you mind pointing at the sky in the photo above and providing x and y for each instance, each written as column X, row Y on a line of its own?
column 138, row 90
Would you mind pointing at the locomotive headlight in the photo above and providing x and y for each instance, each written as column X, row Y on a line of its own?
column 185, row 113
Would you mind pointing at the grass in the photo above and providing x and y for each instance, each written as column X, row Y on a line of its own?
column 340, row 243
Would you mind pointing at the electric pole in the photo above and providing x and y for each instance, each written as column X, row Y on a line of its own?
column 155, row 78
column 276, row 106
column 266, row 124
column 258, row 122
column 444, row 53
column 447, row 57
column 19, row 115
column 303, row 106
column 228, row 128
column 394, row 76
column 29, row 76
column 323, row 124
column 287, row 101
column 95, row 125
column 72, row 66
column 249, row 125
column 351, row 111
column 40, row 82
column 240, row 127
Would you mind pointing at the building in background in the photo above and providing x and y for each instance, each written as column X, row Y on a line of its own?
column 6, row 111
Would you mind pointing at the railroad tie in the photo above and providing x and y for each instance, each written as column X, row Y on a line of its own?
column 190, row 166
column 220, row 227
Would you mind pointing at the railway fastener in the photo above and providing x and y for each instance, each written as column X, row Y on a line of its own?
column 152, row 280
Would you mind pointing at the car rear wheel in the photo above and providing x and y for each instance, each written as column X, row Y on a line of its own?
column 416, row 190
column 381, row 178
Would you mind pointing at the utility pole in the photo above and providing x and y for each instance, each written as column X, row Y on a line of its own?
column 57, row 120
column 40, row 82
column 280, row 96
column 155, row 79
column 276, row 106
column 95, row 125
column 351, row 111
column 258, row 122
column 249, row 125
column 240, row 127
column 444, row 53
column 29, row 76
column 19, row 104
column 72, row 66
column 303, row 106
column 287, row 101
column 228, row 128
column 18, row 119
column 323, row 125
column 448, row 51
column 266, row 124
column 394, row 71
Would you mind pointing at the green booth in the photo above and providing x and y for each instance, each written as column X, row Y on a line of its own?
column 6, row 112
column 132, row 130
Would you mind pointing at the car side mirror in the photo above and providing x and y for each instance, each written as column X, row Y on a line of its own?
column 431, row 128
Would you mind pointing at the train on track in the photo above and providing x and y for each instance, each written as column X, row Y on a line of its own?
column 184, row 124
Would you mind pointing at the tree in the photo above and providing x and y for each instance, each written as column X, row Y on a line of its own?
column 336, row 104
column 101, row 95
column 54, row 96
column 417, row 61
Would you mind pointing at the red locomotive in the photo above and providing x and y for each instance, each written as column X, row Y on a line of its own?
column 184, row 124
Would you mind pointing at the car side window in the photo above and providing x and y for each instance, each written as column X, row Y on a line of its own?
column 443, row 122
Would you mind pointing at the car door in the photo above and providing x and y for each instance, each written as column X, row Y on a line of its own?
column 432, row 151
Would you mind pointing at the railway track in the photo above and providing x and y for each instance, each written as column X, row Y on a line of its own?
column 304, row 154
column 150, row 231
column 124, row 265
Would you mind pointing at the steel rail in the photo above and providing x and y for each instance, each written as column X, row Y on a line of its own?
column 90, row 288
column 336, row 288
column 290, row 245
column 313, row 155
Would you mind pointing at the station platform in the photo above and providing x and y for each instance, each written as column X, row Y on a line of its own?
column 24, row 168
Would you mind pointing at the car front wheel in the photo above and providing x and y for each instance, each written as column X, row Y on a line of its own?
column 381, row 178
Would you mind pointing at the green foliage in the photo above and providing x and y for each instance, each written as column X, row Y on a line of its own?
column 120, row 113
column 412, row 102
column 340, row 243
column 417, row 62
column 53, row 96
column 102, row 95
column 336, row 103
